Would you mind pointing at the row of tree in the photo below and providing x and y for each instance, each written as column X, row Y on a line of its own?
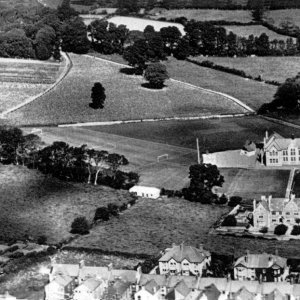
column 79, row 164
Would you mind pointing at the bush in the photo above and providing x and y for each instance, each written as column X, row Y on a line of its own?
column 222, row 200
column 42, row 240
column 113, row 209
column 102, row 213
column 230, row 220
column 264, row 230
column 280, row 229
column 234, row 201
column 80, row 225
column 16, row 255
column 296, row 230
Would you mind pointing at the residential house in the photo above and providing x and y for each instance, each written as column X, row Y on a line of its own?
column 61, row 287
column 264, row 267
column 90, row 289
column 184, row 260
column 269, row 212
column 280, row 151
column 145, row 191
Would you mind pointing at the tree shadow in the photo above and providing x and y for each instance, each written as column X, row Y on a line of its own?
column 93, row 106
column 149, row 86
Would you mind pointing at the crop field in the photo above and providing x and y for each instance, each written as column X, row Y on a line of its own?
column 256, row 30
column 277, row 17
column 243, row 16
column 250, row 92
column 253, row 183
column 34, row 204
column 140, row 24
column 153, row 225
column 269, row 68
column 126, row 98
column 214, row 135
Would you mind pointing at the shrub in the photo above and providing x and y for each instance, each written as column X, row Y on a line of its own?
column 222, row 200
column 296, row 230
column 80, row 225
column 113, row 209
column 42, row 240
column 16, row 254
column 230, row 220
column 263, row 230
column 102, row 213
column 280, row 229
column 234, row 201
column 13, row 248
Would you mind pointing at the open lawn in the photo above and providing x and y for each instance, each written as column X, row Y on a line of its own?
column 252, row 184
column 242, row 16
column 277, row 17
column 34, row 204
column 126, row 98
column 269, row 68
column 153, row 225
column 214, row 135
column 255, row 30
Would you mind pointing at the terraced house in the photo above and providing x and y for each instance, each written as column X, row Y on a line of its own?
column 280, row 151
column 270, row 212
column 184, row 260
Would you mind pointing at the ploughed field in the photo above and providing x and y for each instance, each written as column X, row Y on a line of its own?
column 34, row 204
column 126, row 98
column 153, row 225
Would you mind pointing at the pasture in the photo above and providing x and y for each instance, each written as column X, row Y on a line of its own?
column 256, row 30
column 269, row 68
column 242, row 16
column 88, row 19
column 280, row 16
column 35, row 204
column 153, row 225
column 126, row 98
column 140, row 24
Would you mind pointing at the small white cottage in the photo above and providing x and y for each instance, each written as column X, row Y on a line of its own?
column 145, row 191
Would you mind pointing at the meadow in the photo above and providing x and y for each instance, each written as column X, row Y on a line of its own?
column 35, row 204
column 88, row 19
column 269, row 68
column 151, row 226
column 277, row 17
column 256, row 30
column 242, row 16
column 126, row 98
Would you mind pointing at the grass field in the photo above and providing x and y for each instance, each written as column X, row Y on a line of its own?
column 251, row 184
column 88, row 19
column 242, row 16
column 277, row 17
column 126, row 98
column 153, row 225
column 269, row 68
column 34, row 204
column 256, row 30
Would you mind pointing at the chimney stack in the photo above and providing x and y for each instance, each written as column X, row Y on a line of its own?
column 81, row 264
column 247, row 255
column 293, row 136
column 200, row 247
column 254, row 204
column 267, row 134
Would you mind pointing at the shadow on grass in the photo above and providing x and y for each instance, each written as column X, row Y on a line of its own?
column 131, row 71
column 149, row 86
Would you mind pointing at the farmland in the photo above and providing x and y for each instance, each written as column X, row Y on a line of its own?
column 277, row 17
column 34, row 204
column 269, row 68
column 126, row 98
column 243, row 16
column 154, row 225
column 256, row 30
column 88, row 19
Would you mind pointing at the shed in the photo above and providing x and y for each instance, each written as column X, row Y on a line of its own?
column 145, row 191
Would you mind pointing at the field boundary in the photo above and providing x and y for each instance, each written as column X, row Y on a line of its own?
column 279, row 121
column 63, row 74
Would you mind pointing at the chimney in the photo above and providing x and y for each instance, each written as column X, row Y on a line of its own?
column 293, row 136
column 200, row 247
column 247, row 255
column 276, row 252
column 81, row 264
column 267, row 134
column 293, row 196
column 254, row 204
column 138, row 274
column 269, row 200
column 110, row 267
column 173, row 245
column 263, row 198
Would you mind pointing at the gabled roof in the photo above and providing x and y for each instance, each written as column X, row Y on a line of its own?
column 181, row 252
column 243, row 294
column 62, row 280
column 152, row 287
column 275, row 295
column 115, row 290
column 281, row 143
column 263, row 260
column 71, row 270
column 91, row 284
column 182, row 288
column 264, row 204
column 212, row 292
column 277, row 204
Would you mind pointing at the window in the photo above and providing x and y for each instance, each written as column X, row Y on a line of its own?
column 287, row 213
column 261, row 217
column 274, row 220
column 293, row 158
column 293, row 152
column 274, row 213
column 139, row 298
column 285, row 152
column 285, row 158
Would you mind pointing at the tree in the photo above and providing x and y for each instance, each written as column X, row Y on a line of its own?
column 222, row 200
column 182, row 50
column 295, row 230
column 98, row 96
column 44, row 41
column 280, row 229
column 156, row 74
column 80, row 225
column 102, row 213
column 113, row 209
column 115, row 161
column 229, row 220
column 234, row 201
column 258, row 11
column 171, row 36
column 65, row 11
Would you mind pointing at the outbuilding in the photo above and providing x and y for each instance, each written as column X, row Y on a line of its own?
column 145, row 191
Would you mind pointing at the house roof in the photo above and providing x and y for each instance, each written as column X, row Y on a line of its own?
column 275, row 295
column 91, row 284
column 281, row 143
column 182, row 288
column 211, row 292
column 243, row 294
column 151, row 286
column 116, row 290
column 71, row 270
column 62, row 280
column 181, row 252
column 263, row 260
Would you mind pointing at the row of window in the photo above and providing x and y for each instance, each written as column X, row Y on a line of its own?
column 288, row 213
column 285, row 152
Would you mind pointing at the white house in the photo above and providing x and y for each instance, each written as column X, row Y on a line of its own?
column 60, row 288
column 91, row 289
column 184, row 260
column 145, row 191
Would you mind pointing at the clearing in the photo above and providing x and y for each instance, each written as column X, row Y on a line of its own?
column 126, row 98
column 152, row 225
column 269, row 68
column 35, row 204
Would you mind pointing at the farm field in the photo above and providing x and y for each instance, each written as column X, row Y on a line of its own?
column 151, row 226
column 277, row 17
column 126, row 98
column 250, row 92
column 242, row 16
column 256, row 30
column 140, row 24
column 34, row 204
column 88, row 19
column 253, row 183
column 269, row 68
column 214, row 135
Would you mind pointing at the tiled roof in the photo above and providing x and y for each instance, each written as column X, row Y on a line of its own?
column 261, row 261
column 115, row 290
column 91, row 284
column 211, row 292
column 281, row 143
column 182, row 288
column 277, row 204
column 275, row 295
column 62, row 280
column 243, row 294
column 152, row 286
column 181, row 252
